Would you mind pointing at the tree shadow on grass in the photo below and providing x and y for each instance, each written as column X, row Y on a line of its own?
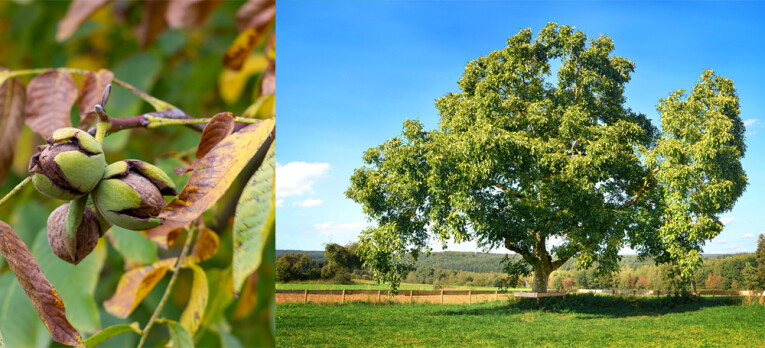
column 600, row 306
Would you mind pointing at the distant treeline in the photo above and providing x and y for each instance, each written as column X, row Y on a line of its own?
column 442, row 269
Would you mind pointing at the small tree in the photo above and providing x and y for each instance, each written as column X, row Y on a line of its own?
column 760, row 257
column 750, row 277
column 518, row 161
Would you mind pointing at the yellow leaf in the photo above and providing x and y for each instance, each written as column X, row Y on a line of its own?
column 216, row 171
column 192, row 315
column 231, row 83
column 205, row 247
column 135, row 285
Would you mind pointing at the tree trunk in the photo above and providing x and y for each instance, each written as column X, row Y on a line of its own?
column 541, row 278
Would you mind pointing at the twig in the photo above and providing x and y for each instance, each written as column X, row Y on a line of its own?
column 178, row 265
column 15, row 190
column 159, row 105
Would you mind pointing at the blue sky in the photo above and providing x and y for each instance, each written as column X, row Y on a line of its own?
column 350, row 74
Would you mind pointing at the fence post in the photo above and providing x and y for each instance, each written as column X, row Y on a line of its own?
column 305, row 300
column 411, row 296
column 496, row 295
column 470, row 296
column 442, row 297
column 343, row 296
column 378, row 295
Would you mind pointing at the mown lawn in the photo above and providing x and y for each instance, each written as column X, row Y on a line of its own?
column 359, row 284
column 580, row 320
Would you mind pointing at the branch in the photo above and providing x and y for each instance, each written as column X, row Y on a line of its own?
column 559, row 262
column 15, row 190
column 527, row 255
column 174, row 117
column 181, row 260
column 641, row 192
column 512, row 192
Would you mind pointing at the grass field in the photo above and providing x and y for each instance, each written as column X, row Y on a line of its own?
column 580, row 320
column 359, row 284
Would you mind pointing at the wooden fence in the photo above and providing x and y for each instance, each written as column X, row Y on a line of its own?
column 459, row 296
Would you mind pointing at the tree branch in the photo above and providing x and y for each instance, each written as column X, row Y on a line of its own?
column 144, row 121
column 527, row 255
column 641, row 192
column 509, row 191
column 559, row 262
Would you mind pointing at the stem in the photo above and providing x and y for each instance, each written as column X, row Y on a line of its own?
column 15, row 190
column 44, row 70
column 72, row 223
column 159, row 105
column 159, row 122
column 166, row 295
column 101, row 128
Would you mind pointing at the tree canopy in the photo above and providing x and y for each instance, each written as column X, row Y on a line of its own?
column 525, row 156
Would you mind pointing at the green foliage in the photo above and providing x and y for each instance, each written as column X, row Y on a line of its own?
column 254, row 220
column 291, row 267
column 19, row 323
column 518, row 160
column 133, row 245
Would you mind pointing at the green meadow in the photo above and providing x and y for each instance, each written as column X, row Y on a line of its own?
column 582, row 320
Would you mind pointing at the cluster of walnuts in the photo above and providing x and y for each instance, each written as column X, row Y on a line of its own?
column 128, row 194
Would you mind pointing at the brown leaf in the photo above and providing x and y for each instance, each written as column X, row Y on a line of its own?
column 216, row 171
column 189, row 13
column 205, row 247
column 152, row 22
column 50, row 97
column 78, row 11
column 44, row 297
column 134, row 285
column 256, row 14
column 219, row 127
column 240, row 49
column 164, row 235
column 91, row 90
column 12, row 100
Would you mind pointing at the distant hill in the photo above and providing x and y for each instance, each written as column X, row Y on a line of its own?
column 317, row 255
column 479, row 262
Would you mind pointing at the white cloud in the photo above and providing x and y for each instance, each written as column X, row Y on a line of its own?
column 310, row 202
column 750, row 122
column 748, row 235
column 279, row 203
column 727, row 220
column 296, row 178
column 330, row 228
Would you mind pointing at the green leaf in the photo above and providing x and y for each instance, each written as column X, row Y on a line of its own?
column 195, row 310
column 110, row 332
column 254, row 220
column 18, row 318
column 75, row 284
column 227, row 340
column 134, row 245
column 179, row 335
column 221, row 295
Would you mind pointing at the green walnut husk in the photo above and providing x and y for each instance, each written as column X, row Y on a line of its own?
column 130, row 194
column 72, row 238
column 69, row 167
